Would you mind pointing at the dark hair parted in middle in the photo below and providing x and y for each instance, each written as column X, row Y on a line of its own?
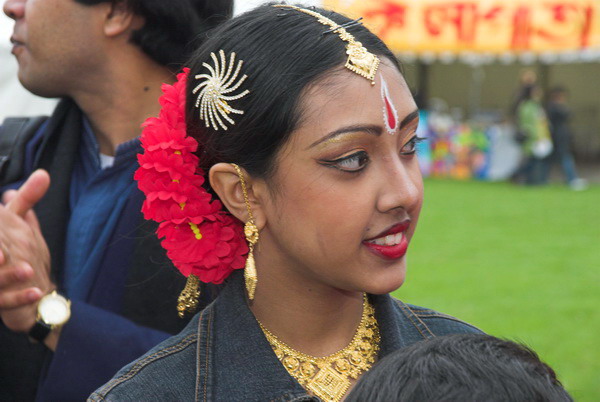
column 285, row 52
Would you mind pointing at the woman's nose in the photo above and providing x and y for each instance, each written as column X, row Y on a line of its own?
column 402, row 186
column 14, row 9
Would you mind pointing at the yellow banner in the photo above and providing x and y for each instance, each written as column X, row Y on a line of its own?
column 485, row 26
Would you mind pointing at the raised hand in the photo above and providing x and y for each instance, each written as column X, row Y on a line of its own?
column 24, row 255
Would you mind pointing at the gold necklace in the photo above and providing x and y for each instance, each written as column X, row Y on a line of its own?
column 329, row 377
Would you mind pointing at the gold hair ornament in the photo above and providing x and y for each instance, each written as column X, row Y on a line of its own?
column 188, row 298
column 360, row 60
column 251, row 233
column 214, row 89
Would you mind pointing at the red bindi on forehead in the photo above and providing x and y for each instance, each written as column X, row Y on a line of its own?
column 391, row 119
column 390, row 114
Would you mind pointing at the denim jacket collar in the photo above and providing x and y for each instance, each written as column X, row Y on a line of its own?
column 255, row 370
column 223, row 355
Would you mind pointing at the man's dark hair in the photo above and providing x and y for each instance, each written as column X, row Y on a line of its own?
column 173, row 28
column 468, row 367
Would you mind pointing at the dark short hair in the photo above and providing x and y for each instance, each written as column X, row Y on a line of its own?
column 284, row 52
column 465, row 368
column 173, row 28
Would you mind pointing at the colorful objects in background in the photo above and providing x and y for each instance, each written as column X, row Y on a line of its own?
column 466, row 150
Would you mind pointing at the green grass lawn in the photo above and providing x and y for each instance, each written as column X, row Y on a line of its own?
column 520, row 263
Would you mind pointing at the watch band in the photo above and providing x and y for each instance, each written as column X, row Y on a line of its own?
column 39, row 331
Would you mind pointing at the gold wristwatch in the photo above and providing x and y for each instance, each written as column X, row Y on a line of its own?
column 53, row 311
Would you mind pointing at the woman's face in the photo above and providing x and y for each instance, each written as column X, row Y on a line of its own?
column 346, row 194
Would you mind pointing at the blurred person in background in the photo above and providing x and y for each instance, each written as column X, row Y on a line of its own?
column 532, row 125
column 559, row 116
column 80, row 270
column 527, row 78
column 461, row 368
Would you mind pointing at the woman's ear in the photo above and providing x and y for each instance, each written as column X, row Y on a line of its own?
column 225, row 181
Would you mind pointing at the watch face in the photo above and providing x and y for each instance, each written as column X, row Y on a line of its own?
column 54, row 309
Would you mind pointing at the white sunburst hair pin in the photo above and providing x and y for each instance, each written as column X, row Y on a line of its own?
column 215, row 89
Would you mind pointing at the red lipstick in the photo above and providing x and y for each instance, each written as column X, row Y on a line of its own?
column 394, row 251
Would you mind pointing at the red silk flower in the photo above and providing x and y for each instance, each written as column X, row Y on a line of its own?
column 200, row 237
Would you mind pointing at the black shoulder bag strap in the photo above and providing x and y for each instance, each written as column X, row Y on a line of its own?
column 15, row 133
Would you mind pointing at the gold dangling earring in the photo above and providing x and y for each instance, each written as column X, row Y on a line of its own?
column 188, row 298
column 251, row 233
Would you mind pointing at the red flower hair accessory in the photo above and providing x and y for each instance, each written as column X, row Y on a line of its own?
column 200, row 237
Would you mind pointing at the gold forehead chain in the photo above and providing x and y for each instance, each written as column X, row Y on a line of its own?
column 360, row 60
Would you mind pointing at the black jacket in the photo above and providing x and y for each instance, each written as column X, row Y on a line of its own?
column 132, row 303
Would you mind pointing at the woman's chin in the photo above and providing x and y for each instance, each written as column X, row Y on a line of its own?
column 385, row 283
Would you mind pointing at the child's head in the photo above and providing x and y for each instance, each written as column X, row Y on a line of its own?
column 469, row 367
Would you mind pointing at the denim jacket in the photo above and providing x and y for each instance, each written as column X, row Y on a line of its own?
column 222, row 355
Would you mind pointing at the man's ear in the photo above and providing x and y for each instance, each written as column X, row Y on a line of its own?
column 225, row 181
column 120, row 18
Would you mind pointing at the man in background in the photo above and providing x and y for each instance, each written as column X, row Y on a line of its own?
column 559, row 116
column 75, row 228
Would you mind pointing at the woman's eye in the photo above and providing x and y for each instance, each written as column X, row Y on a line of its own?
column 351, row 163
column 411, row 146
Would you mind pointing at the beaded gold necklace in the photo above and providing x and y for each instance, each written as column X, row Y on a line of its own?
column 329, row 377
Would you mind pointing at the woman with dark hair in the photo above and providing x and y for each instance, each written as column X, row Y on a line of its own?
column 287, row 149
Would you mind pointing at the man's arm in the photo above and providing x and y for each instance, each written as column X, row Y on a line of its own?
column 94, row 344
column 24, row 255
